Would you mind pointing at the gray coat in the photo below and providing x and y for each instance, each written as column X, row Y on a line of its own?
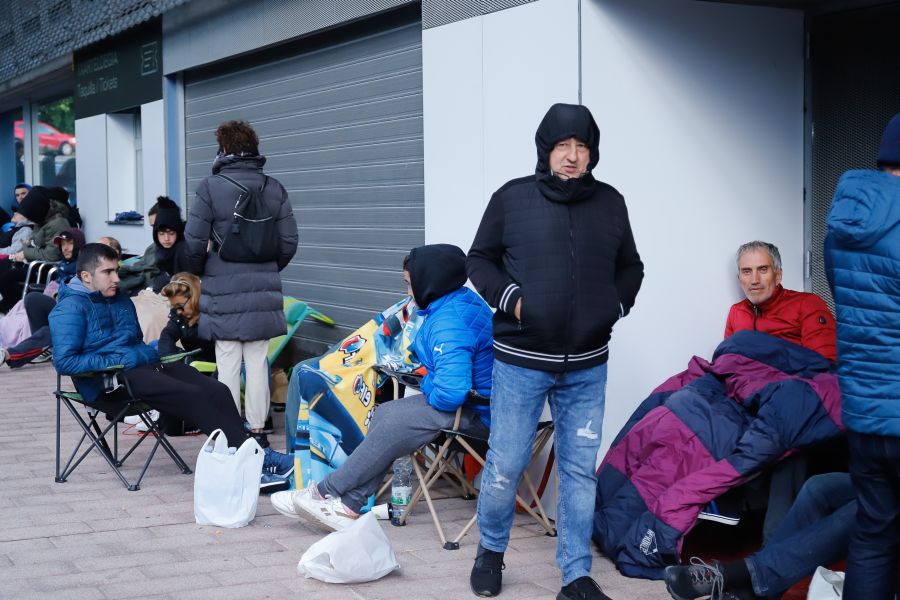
column 239, row 301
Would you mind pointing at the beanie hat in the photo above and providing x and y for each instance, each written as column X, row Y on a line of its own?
column 59, row 193
column 22, row 184
column 168, row 216
column 889, row 153
column 35, row 205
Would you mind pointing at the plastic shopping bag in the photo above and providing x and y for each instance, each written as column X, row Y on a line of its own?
column 226, row 482
column 357, row 554
column 826, row 585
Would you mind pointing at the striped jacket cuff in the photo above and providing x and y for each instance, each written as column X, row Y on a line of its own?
column 508, row 299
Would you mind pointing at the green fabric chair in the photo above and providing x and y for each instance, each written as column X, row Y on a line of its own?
column 96, row 435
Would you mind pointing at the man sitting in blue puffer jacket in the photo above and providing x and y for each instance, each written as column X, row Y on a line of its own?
column 454, row 344
column 94, row 327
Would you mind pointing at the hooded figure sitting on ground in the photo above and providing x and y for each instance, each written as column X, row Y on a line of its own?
column 454, row 344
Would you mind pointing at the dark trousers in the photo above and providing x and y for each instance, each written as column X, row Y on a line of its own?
column 815, row 531
column 182, row 391
column 12, row 275
column 398, row 427
column 37, row 307
column 873, row 564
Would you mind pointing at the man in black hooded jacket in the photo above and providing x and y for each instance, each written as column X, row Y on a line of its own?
column 555, row 255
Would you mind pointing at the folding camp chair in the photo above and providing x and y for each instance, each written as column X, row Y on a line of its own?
column 37, row 268
column 443, row 458
column 97, row 436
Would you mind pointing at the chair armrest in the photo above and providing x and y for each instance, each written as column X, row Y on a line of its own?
column 107, row 370
column 409, row 379
column 204, row 366
column 178, row 357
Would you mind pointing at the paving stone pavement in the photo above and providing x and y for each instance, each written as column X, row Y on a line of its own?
column 91, row 538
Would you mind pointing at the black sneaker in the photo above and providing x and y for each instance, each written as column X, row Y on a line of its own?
column 261, row 438
column 583, row 588
column 487, row 576
column 686, row 582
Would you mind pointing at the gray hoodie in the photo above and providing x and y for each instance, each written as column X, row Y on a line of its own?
column 23, row 233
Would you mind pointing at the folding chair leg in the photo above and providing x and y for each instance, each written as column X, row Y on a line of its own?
column 62, row 475
column 437, row 523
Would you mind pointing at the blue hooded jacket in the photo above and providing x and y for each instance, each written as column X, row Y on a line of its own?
column 862, row 262
column 454, row 343
column 91, row 332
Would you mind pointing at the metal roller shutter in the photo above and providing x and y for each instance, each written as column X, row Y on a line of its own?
column 341, row 127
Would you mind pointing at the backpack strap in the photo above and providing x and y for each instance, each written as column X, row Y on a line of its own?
column 233, row 182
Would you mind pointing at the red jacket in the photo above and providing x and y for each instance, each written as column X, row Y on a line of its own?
column 797, row 317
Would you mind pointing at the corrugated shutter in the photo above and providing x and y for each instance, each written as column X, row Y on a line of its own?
column 341, row 127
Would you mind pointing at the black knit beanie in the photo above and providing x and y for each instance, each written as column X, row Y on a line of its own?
column 35, row 205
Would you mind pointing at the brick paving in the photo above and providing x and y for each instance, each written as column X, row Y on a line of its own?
column 91, row 538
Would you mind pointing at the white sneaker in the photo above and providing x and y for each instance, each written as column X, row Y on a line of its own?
column 139, row 423
column 3, row 353
column 310, row 505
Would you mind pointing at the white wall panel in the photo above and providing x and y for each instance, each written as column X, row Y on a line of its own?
column 487, row 82
column 90, row 173
column 700, row 107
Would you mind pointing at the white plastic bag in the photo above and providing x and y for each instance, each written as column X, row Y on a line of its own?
column 357, row 554
column 826, row 585
column 226, row 485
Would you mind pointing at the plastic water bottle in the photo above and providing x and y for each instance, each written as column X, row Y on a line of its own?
column 401, row 488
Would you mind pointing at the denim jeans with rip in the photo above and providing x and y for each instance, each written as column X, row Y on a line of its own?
column 577, row 400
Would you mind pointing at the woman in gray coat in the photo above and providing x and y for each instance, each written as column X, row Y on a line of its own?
column 240, row 303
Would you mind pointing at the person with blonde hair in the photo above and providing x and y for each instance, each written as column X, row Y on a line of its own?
column 183, row 293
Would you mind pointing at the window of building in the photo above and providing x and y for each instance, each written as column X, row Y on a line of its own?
column 53, row 145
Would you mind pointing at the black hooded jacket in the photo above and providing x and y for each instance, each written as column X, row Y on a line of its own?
column 565, row 248
column 168, row 260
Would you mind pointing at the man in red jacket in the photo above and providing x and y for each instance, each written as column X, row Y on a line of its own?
column 798, row 317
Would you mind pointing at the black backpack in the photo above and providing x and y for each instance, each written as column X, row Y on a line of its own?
column 252, row 236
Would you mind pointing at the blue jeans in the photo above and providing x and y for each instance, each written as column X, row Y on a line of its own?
column 873, row 564
column 815, row 531
column 577, row 399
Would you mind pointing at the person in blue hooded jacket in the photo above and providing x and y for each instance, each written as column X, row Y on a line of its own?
column 862, row 262
column 454, row 344
column 95, row 327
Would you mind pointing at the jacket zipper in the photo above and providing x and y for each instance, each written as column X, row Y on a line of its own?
column 571, row 308
column 755, row 314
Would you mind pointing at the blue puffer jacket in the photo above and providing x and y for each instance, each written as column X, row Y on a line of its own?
column 862, row 261
column 91, row 332
column 456, row 347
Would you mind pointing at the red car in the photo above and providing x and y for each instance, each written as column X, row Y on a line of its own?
column 50, row 138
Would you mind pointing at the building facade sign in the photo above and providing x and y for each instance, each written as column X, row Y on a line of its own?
column 119, row 73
